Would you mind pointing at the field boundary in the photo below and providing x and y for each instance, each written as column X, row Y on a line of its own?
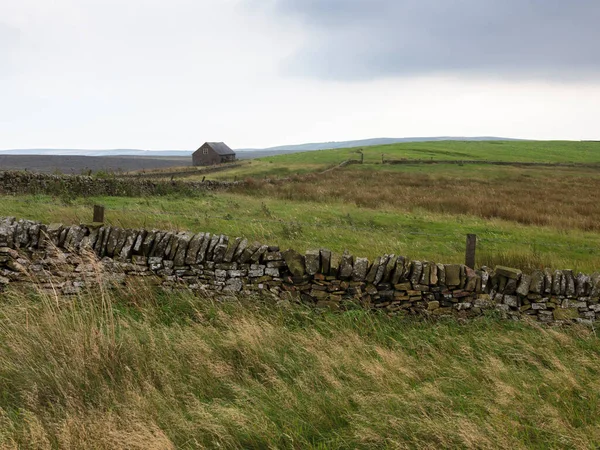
column 32, row 251
column 13, row 183
column 487, row 162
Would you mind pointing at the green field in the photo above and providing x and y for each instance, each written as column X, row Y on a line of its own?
column 417, row 234
column 522, row 151
column 528, row 217
column 513, row 151
column 139, row 368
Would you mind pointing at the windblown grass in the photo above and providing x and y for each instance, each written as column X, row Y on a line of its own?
column 140, row 368
column 136, row 368
column 304, row 224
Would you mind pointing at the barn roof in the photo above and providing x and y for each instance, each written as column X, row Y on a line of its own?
column 220, row 148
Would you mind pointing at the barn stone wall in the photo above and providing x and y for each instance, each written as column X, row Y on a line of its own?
column 68, row 259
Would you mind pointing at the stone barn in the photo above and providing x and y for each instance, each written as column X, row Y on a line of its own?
column 213, row 153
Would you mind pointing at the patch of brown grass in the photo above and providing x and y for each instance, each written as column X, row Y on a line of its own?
column 554, row 197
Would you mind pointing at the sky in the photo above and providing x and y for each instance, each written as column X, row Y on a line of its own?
column 158, row 74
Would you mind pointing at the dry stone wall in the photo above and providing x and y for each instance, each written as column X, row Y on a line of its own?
column 68, row 259
column 14, row 183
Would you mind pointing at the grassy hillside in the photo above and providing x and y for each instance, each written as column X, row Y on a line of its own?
column 523, row 151
column 528, row 217
column 513, row 151
column 138, row 369
column 525, row 217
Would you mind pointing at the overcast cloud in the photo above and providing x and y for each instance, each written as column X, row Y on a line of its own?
column 171, row 74
column 511, row 38
column 9, row 40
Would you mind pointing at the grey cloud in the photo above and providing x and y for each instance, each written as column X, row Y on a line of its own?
column 358, row 39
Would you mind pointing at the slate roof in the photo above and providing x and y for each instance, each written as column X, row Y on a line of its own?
column 221, row 148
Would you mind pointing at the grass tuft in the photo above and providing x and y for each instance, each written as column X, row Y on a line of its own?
column 146, row 369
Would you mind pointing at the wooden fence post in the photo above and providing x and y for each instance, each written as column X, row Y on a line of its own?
column 470, row 252
column 98, row 214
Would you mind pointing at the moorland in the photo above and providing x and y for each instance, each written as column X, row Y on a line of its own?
column 74, row 164
column 140, row 368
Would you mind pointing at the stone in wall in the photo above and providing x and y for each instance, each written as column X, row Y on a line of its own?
column 379, row 274
column 325, row 256
column 294, row 262
column 370, row 277
column 359, row 272
column 312, row 261
column 346, row 265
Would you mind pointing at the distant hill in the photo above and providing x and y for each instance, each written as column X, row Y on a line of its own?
column 246, row 152
column 373, row 142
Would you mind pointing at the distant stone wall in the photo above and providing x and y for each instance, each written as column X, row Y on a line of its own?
column 68, row 259
column 461, row 162
column 14, row 183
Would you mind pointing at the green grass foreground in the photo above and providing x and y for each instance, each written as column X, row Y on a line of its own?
column 141, row 369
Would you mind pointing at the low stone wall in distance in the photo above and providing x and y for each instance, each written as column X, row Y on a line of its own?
column 15, row 182
column 67, row 259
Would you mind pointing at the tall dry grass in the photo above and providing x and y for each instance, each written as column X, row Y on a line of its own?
column 147, row 369
column 560, row 198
